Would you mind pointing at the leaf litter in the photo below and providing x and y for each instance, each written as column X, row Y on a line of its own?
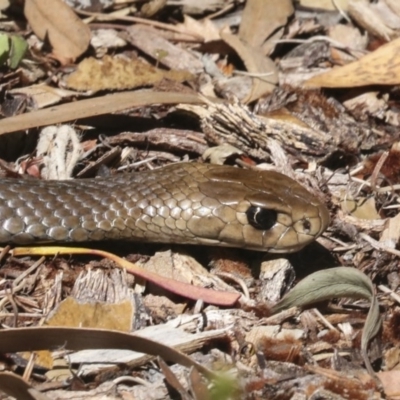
column 302, row 87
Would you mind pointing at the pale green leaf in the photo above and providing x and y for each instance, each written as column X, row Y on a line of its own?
column 333, row 283
column 18, row 50
column 4, row 48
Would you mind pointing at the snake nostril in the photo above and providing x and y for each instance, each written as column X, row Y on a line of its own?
column 261, row 218
column 307, row 226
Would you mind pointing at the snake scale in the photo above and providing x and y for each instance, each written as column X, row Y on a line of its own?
column 188, row 203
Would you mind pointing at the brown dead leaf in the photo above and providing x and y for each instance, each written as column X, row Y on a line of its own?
column 30, row 339
column 391, row 234
column 198, row 386
column 184, row 268
column 55, row 21
column 16, row 386
column 261, row 18
column 163, row 51
column 43, row 95
column 152, row 7
column 255, row 63
column 171, row 378
column 204, row 28
column 381, row 67
column 115, row 73
column 351, row 37
column 94, row 106
column 362, row 208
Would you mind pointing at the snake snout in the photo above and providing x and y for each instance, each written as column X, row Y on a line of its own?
column 304, row 231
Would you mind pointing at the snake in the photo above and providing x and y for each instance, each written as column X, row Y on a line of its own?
column 182, row 203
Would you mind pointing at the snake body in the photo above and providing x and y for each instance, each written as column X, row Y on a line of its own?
column 182, row 203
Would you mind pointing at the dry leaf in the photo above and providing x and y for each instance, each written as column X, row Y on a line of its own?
column 361, row 208
column 369, row 16
column 326, row 4
column 256, row 63
column 106, row 39
column 166, row 53
column 391, row 235
column 181, row 288
column 43, row 95
column 90, row 107
column 119, row 73
column 219, row 154
column 100, row 315
column 183, row 268
column 55, row 21
column 152, row 7
column 30, row 339
column 19, row 388
column 350, row 37
column 261, row 18
column 204, row 28
column 381, row 67
column 198, row 386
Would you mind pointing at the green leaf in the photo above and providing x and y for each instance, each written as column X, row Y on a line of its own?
column 4, row 48
column 18, row 50
column 332, row 283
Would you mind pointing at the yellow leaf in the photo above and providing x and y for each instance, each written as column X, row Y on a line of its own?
column 381, row 67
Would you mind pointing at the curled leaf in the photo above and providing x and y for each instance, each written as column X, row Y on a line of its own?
column 210, row 296
column 333, row 283
column 40, row 338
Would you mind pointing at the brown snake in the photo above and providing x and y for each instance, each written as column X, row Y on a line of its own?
column 181, row 203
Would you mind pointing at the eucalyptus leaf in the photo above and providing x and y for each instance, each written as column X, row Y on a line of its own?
column 19, row 46
column 45, row 337
column 4, row 48
column 334, row 283
column 325, row 285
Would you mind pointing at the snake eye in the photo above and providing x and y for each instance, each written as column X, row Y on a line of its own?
column 261, row 218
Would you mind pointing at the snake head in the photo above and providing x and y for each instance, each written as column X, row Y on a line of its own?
column 263, row 210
